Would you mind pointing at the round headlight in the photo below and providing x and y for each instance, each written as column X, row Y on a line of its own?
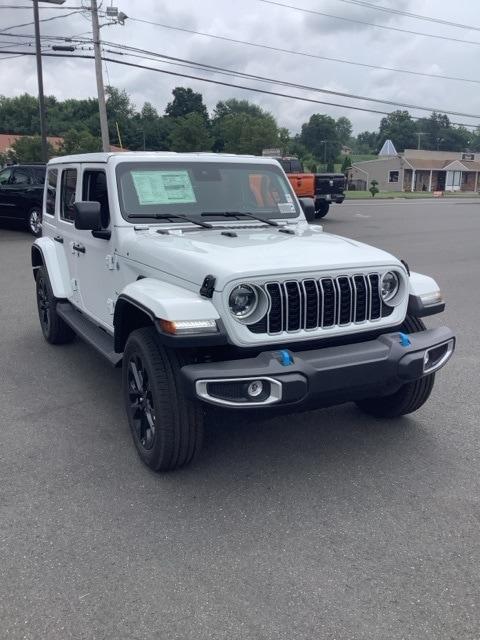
column 389, row 286
column 243, row 301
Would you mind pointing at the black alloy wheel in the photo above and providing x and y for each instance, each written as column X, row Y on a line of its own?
column 166, row 425
column 54, row 328
column 43, row 302
column 142, row 408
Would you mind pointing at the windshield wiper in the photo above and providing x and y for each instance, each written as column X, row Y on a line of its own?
column 245, row 214
column 171, row 216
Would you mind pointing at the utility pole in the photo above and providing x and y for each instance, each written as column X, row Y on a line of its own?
column 41, row 99
column 102, row 107
column 324, row 154
column 419, row 135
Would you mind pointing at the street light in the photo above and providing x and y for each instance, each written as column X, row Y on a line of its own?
column 38, row 54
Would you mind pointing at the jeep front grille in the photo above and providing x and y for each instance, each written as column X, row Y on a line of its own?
column 296, row 305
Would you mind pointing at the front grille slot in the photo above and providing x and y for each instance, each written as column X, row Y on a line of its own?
column 325, row 303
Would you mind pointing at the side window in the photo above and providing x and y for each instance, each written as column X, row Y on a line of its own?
column 21, row 176
column 51, row 191
column 94, row 189
column 5, row 176
column 39, row 175
column 67, row 191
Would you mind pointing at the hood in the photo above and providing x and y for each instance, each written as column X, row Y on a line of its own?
column 192, row 255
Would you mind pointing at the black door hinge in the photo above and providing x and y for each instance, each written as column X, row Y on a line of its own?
column 208, row 287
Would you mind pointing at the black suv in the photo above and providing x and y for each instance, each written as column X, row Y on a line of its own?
column 21, row 195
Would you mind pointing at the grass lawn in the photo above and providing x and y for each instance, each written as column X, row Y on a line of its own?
column 390, row 195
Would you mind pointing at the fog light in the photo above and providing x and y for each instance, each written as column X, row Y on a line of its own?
column 255, row 388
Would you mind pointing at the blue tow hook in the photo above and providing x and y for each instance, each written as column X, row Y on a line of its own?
column 404, row 340
column 285, row 358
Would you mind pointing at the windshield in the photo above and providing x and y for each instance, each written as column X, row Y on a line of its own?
column 193, row 188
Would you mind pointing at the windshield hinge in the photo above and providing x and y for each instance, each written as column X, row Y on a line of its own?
column 208, row 287
column 111, row 262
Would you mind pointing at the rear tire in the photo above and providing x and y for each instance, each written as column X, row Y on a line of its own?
column 54, row 329
column 34, row 221
column 410, row 397
column 321, row 208
column 166, row 426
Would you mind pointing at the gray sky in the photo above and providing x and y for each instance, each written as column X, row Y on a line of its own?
column 258, row 22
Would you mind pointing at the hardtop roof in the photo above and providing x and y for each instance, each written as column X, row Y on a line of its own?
column 149, row 156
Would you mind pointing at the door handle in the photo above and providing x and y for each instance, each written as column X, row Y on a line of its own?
column 58, row 239
column 78, row 247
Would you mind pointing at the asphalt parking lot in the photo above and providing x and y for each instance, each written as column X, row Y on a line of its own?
column 328, row 525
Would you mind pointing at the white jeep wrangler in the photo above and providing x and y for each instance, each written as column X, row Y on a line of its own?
column 201, row 275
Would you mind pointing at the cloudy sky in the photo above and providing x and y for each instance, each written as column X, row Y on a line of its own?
column 258, row 22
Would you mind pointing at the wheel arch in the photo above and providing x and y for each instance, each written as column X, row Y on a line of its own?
column 147, row 300
column 44, row 254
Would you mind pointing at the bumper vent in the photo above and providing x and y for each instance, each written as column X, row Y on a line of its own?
column 328, row 302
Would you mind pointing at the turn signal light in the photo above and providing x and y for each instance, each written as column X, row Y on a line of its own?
column 186, row 327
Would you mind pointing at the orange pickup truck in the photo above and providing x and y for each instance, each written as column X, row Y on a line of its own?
column 324, row 188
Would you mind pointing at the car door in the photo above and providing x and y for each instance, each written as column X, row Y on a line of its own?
column 20, row 191
column 15, row 182
column 66, row 234
column 97, row 275
column 5, row 207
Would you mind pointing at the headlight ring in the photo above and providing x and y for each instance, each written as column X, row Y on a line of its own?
column 389, row 286
column 242, row 301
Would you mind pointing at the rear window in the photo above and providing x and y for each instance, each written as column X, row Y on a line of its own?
column 39, row 175
column 51, row 192
column 68, row 190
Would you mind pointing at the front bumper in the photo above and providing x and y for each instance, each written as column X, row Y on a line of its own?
column 321, row 377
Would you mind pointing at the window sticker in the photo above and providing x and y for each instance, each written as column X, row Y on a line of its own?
column 163, row 187
column 286, row 207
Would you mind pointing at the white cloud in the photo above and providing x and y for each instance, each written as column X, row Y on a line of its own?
column 258, row 22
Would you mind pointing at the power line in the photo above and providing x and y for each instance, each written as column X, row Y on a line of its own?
column 304, row 53
column 27, row 24
column 229, row 84
column 409, row 14
column 369, row 24
column 277, row 81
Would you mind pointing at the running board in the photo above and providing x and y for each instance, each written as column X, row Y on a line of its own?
column 88, row 331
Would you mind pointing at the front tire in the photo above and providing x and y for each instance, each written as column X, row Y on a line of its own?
column 34, row 222
column 166, row 426
column 54, row 329
column 321, row 209
column 410, row 397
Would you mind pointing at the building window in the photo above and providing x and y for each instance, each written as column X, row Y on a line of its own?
column 393, row 176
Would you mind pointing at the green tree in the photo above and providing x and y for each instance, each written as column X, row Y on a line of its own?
column 29, row 149
column 346, row 164
column 373, row 187
column 400, row 128
column 186, row 101
column 366, row 142
column 80, row 142
column 121, row 113
column 319, row 136
column 190, row 133
column 440, row 134
column 242, row 127
column 19, row 115
column 343, row 128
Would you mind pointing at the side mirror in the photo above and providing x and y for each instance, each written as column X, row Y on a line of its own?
column 308, row 206
column 88, row 216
